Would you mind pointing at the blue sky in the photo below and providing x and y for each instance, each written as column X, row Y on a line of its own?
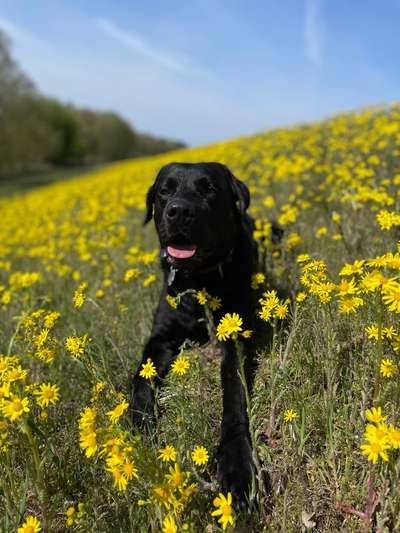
column 207, row 70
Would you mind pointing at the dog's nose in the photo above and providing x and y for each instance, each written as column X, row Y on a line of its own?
column 179, row 210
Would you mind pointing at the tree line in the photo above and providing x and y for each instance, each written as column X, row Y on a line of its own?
column 37, row 131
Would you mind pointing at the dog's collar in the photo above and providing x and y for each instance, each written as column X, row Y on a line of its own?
column 172, row 271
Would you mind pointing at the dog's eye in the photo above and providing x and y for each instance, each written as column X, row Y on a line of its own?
column 203, row 186
column 169, row 187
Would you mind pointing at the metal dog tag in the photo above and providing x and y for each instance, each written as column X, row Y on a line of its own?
column 171, row 276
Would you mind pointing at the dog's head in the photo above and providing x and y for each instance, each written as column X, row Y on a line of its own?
column 197, row 209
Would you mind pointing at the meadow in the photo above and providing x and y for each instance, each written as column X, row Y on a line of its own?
column 79, row 281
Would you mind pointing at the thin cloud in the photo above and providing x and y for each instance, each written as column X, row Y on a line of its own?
column 18, row 34
column 313, row 32
column 137, row 44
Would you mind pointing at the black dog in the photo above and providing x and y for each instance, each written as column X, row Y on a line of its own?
column 206, row 242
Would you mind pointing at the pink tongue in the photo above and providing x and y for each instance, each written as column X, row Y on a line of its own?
column 181, row 253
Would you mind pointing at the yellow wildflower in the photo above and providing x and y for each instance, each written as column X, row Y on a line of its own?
column 31, row 525
column 290, row 415
column 15, row 407
column 388, row 368
column 200, row 455
column 116, row 413
column 167, row 454
column 148, row 370
column 47, row 394
column 180, row 365
column 224, row 510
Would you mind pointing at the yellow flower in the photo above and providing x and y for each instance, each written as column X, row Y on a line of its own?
column 79, row 295
column 169, row 525
column 372, row 331
column 224, row 510
column 323, row 230
column 77, row 345
column 131, row 274
column 87, row 418
column 148, row 370
column 202, row 296
column 301, row 296
column 129, row 470
column 51, row 318
column 180, row 365
column 162, row 494
column 47, row 394
column 4, row 391
column 375, row 449
column 257, row 280
column 200, row 455
column 15, row 407
column 387, row 219
column 16, row 374
column 88, row 443
column 293, row 240
column 391, row 295
column 229, row 326
column 350, row 304
column 151, row 278
column 389, row 332
column 31, row 525
column 388, row 368
column 269, row 201
column 87, row 431
column 290, row 415
column 303, row 258
column 175, row 477
column 393, row 434
column 173, row 302
column 214, row 303
column 70, row 512
column 352, row 268
column 377, row 431
column 375, row 415
column 97, row 389
column 167, row 454
column 373, row 280
column 120, row 481
column 271, row 306
column 116, row 413
column 282, row 310
column 346, row 287
column 42, row 338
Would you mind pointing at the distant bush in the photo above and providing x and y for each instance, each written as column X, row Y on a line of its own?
column 36, row 131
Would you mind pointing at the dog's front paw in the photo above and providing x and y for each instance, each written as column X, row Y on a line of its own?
column 236, row 471
column 141, row 405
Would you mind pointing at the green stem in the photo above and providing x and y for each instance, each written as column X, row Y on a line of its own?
column 249, row 417
column 40, row 483
column 379, row 352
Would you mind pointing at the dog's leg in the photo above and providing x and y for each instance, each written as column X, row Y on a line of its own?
column 162, row 351
column 235, row 464
column 170, row 330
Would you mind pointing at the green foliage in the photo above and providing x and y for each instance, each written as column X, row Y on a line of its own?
column 36, row 131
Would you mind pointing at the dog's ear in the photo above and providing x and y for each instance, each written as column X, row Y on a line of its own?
column 150, row 197
column 241, row 194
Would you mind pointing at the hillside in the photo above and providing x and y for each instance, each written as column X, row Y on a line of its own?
column 40, row 133
column 79, row 280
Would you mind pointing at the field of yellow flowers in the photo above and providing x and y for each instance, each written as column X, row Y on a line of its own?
column 79, row 280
